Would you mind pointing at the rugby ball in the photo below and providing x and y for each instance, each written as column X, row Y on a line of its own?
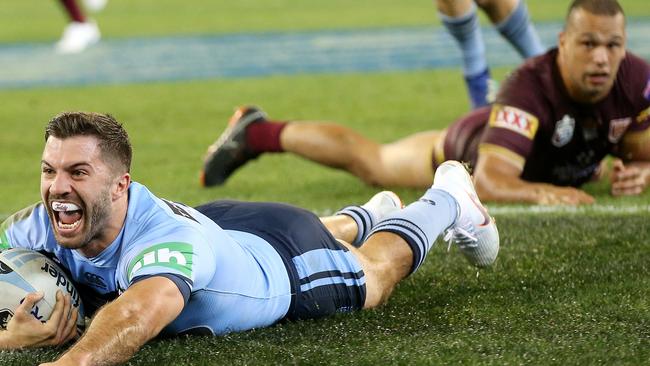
column 23, row 271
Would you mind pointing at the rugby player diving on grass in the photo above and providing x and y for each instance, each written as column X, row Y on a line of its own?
column 554, row 120
column 147, row 266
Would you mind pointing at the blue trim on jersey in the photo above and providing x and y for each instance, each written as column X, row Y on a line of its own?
column 323, row 267
column 180, row 282
column 319, row 275
column 332, row 281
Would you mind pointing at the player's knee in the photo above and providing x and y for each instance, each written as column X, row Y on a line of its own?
column 381, row 280
column 377, row 294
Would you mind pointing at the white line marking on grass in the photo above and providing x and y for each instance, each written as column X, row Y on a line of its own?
column 534, row 210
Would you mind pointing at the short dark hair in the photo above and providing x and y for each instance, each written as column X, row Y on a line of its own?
column 113, row 140
column 597, row 7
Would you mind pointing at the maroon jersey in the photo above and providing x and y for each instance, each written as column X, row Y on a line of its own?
column 463, row 137
column 556, row 140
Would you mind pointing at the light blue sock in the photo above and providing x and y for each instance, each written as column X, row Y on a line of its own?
column 519, row 31
column 421, row 222
column 364, row 220
column 466, row 30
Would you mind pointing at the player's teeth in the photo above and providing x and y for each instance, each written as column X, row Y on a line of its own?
column 64, row 206
column 68, row 226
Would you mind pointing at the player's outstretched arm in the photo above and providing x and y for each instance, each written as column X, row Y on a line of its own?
column 498, row 179
column 124, row 325
column 24, row 330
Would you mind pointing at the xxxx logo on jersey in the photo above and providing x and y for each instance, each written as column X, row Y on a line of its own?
column 514, row 119
column 173, row 255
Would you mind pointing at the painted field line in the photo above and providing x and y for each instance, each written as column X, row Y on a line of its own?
column 535, row 210
column 590, row 209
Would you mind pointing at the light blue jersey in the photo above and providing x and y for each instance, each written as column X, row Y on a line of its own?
column 237, row 280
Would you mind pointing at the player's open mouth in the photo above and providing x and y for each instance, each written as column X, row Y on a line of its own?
column 68, row 216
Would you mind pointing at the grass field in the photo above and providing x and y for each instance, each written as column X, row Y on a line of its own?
column 569, row 287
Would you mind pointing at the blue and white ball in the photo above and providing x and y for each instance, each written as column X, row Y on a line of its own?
column 23, row 271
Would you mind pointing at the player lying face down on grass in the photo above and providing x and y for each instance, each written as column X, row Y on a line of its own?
column 146, row 266
column 554, row 120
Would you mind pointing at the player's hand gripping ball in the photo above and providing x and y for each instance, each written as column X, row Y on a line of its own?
column 23, row 271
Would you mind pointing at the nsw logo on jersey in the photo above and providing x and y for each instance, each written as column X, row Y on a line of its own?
column 174, row 256
column 514, row 119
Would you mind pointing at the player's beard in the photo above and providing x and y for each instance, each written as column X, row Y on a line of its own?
column 96, row 216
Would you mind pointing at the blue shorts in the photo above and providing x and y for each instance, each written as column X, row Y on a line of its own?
column 326, row 278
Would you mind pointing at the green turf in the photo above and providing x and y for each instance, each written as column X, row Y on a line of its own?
column 569, row 288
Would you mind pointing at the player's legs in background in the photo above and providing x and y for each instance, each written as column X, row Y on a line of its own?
column 73, row 10
column 405, row 163
column 80, row 33
column 511, row 19
column 460, row 18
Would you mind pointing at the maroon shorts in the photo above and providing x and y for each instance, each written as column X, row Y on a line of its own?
column 462, row 138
